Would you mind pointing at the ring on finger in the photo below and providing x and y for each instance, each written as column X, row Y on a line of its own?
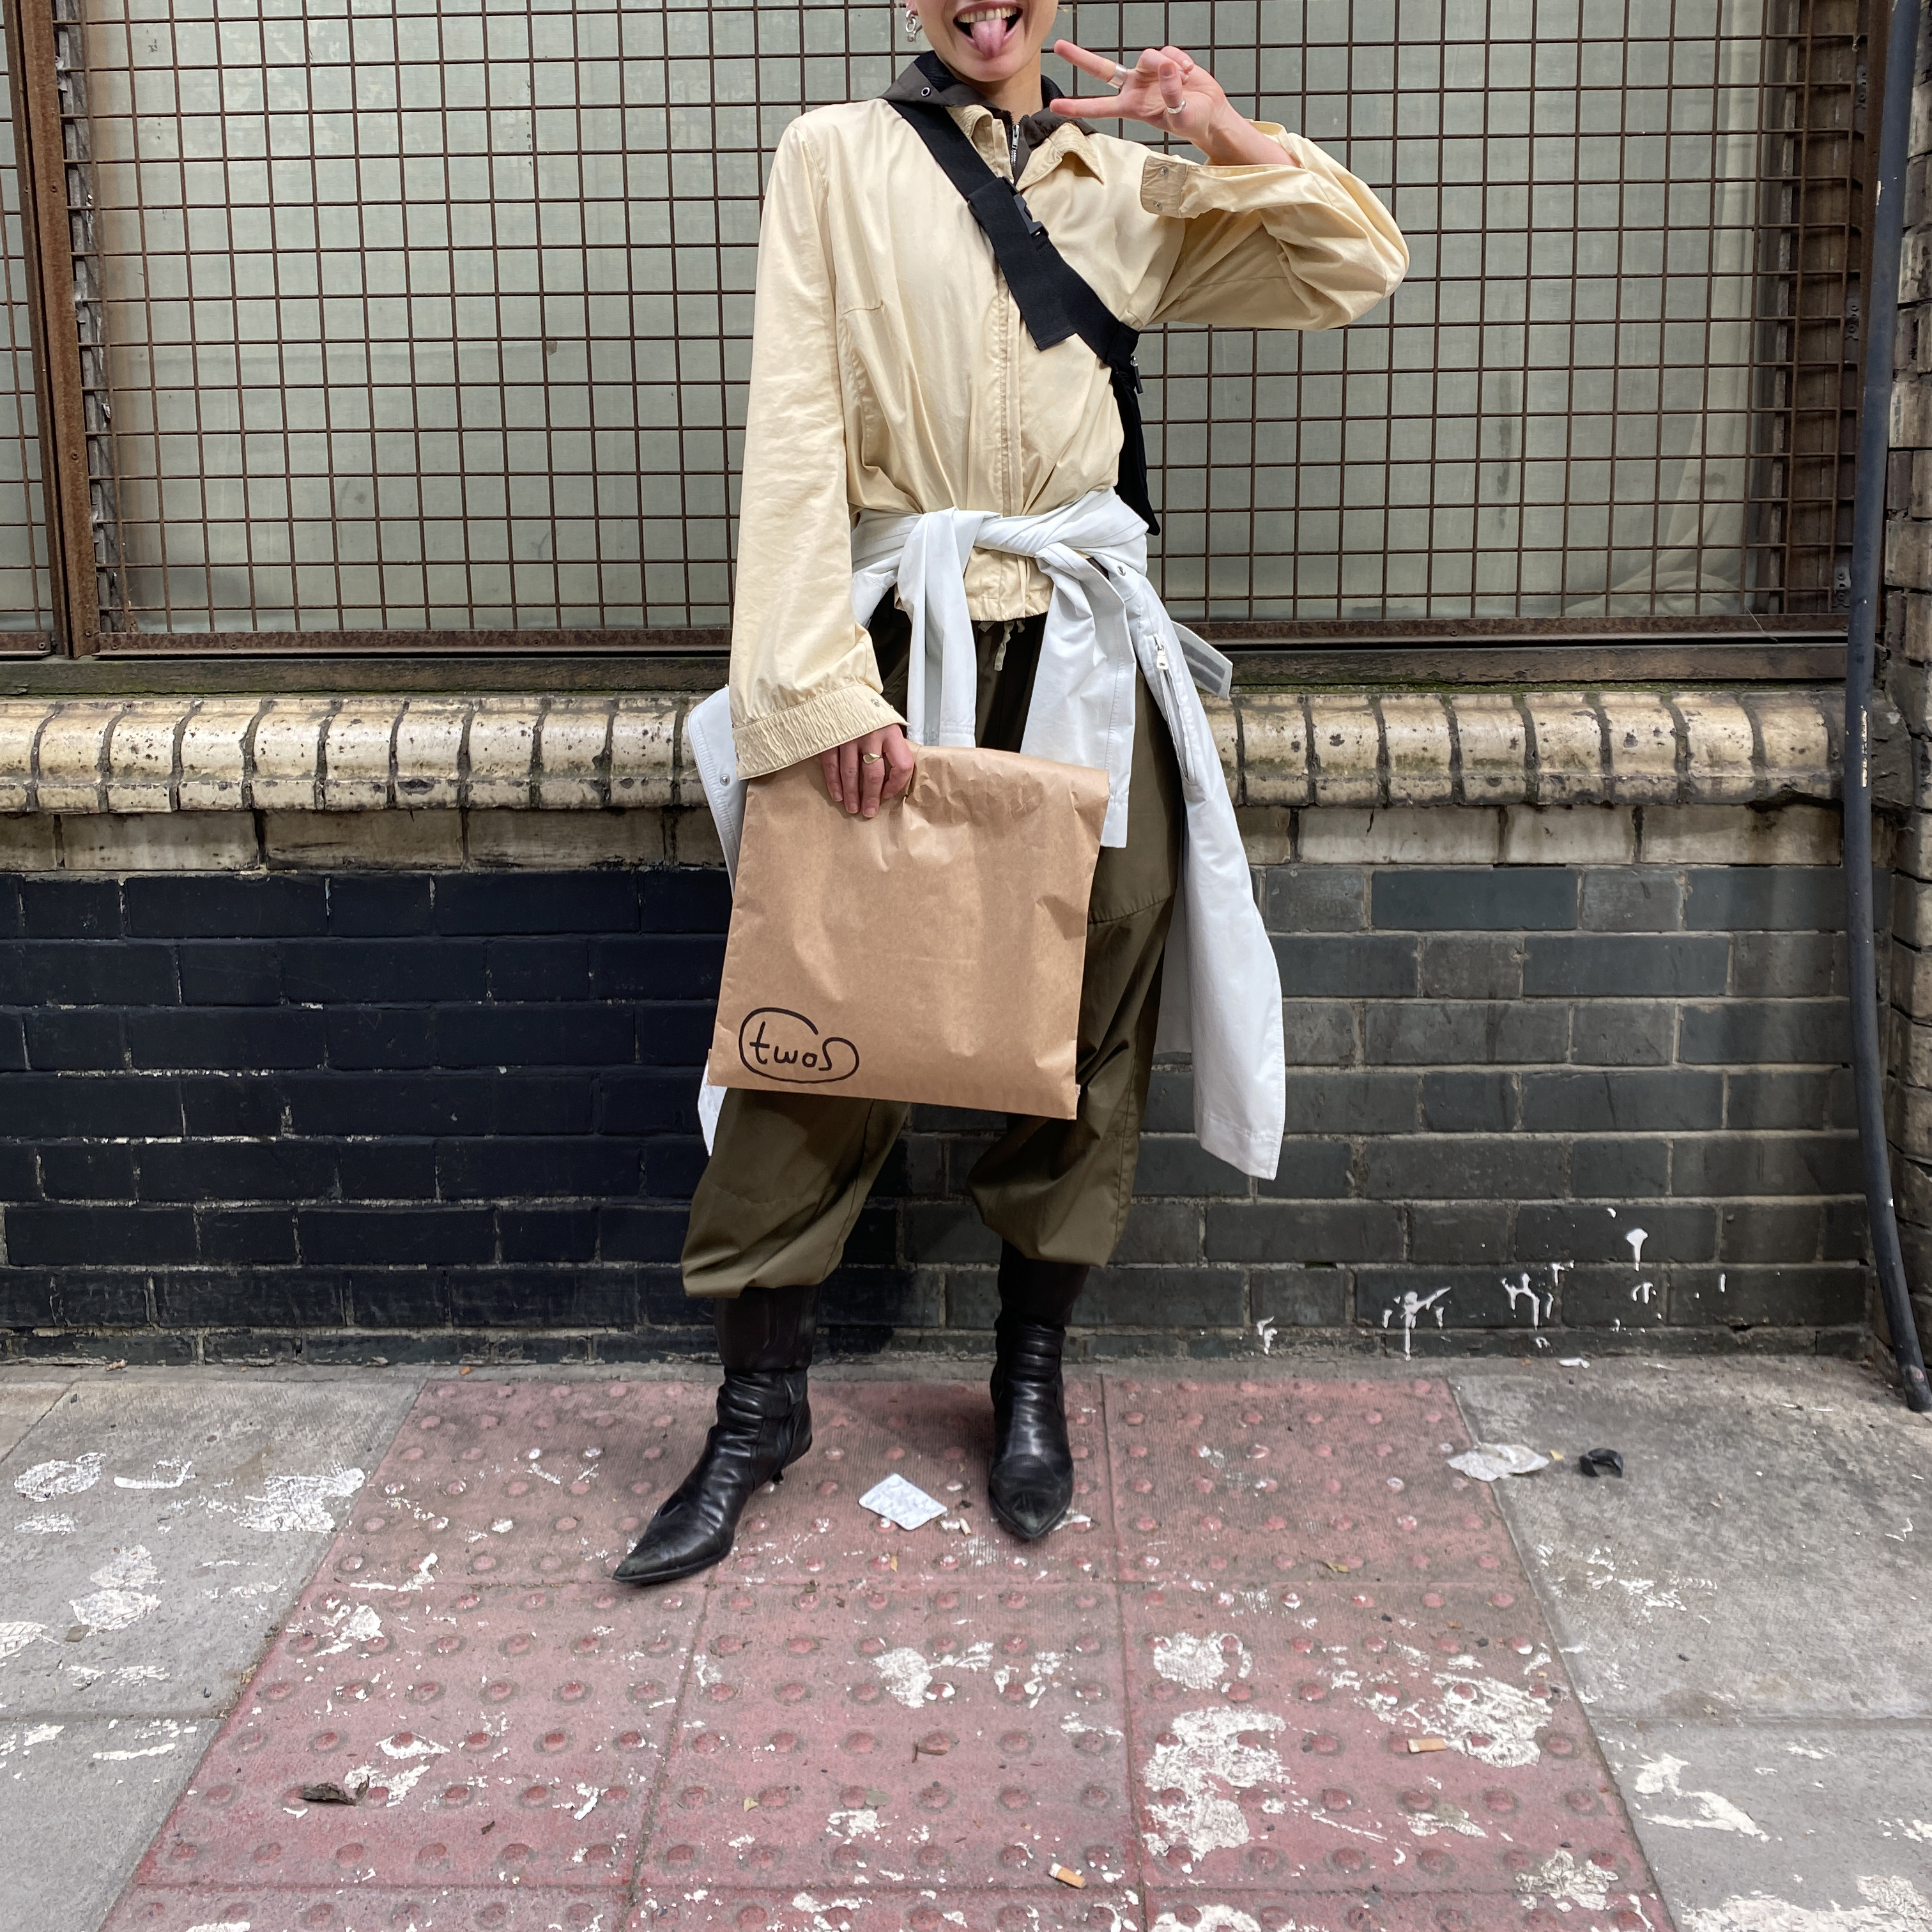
column 1115, row 79
column 870, row 758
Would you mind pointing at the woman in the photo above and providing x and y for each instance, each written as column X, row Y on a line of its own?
column 903, row 419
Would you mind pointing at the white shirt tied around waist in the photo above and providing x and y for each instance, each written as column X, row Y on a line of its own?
column 1221, row 993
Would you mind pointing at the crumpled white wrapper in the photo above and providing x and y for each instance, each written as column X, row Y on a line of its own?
column 1490, row 1462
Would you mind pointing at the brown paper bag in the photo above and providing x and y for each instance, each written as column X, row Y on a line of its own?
column 933, row 953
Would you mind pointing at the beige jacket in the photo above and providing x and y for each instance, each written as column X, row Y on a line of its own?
column 891, row 371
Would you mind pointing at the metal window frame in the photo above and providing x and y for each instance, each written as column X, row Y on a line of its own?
column 1797, row 497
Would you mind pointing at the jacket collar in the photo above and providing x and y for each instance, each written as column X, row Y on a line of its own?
column 929, row 81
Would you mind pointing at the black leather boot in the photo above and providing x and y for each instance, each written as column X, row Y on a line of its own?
column 1030, row 1484
column 764, row 1426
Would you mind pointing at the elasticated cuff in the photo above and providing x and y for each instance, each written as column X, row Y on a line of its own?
column 782, row 738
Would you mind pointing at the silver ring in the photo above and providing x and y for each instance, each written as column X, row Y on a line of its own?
column 1114, row 80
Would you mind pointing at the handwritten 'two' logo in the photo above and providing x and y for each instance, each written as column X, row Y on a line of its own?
column 785, row 1046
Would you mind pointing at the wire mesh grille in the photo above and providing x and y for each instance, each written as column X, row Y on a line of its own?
column 25, row 589
column 438, row 318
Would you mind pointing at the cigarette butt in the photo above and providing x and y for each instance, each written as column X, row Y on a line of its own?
column 1428, row 1744
column 1074, row 1878
column 895, row 1562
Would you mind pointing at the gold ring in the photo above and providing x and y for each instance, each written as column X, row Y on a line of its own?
column 870, row 758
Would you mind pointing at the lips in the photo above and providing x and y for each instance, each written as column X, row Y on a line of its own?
column 987, row 27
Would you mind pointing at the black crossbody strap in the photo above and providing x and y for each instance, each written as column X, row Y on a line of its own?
column 1054, row 299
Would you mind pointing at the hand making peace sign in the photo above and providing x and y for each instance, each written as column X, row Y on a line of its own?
column 1170, row 90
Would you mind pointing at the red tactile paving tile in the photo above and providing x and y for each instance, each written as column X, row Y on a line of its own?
column 1271, row 1481
column 1272, row 1733
column 514, row 1482
column 1199, row 1693
column 962, row 1737
column 509, row 1736
column 701, row 1908
column 262, row 1909
column 937, row 1435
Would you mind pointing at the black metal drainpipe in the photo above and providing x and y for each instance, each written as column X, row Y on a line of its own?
column 1881, row 316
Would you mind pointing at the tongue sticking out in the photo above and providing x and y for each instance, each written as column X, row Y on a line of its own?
column 989, row 33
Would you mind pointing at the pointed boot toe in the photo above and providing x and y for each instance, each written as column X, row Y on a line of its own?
column 672, row 1547
column 763, row 1425
column 1029, row 1497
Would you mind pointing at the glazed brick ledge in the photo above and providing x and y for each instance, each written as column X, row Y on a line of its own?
column 1279, row 749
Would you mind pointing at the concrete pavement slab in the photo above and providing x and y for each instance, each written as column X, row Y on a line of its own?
column 22, row 1405
column 1768, row 1551
column 1823, row 1827
column 79, row 1799
column 1745, row 1613
column 160, row 1525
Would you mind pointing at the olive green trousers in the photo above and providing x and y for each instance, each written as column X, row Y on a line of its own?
column 789, row 1174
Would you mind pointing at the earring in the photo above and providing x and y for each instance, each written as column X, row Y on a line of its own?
column 911, row 21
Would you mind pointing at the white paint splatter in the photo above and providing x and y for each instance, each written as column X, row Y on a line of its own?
column 1265, row 1328
column 1658, row 1777
column 1637, row 1237
column 169, row 1474
column 862, row 1824
column 359, row 1624
column 221, row 1925
column 1207, row 1763
column 1444, row 1817
column 295, row 1503
column 1562, row 1878
column 15, row 1637
column 142, row 1673
column 1539, row 1305
column 165, row 1730
column 1216, row 1918
column 400, row 1783
column 1411, row 1305
column 1890, row 1905
column 1643, row 1291
column 45, row 1480
column 818, row 1913
column 121, row 1599
column 1202, row 1663
column 906, row 1674
column 46, row 1525
column 1483, row 1718
column 24, row 1741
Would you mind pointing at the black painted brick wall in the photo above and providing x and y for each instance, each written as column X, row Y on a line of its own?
column 424, row 1116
